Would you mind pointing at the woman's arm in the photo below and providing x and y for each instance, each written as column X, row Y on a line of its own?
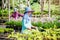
column 33, row 27
column 21, row 15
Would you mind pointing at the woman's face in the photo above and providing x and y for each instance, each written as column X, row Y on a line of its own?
column 29, row 13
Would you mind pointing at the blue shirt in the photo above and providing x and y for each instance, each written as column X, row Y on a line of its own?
column 26, row 22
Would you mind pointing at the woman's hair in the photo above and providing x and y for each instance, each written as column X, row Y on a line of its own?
column 26, row 14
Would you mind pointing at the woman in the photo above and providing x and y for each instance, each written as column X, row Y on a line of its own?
column 16, row 14
column 26, row 21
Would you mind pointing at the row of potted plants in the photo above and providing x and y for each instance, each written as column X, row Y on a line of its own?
column 48, row 34
column 16, row 25
column 6, row 30
column 47, row 25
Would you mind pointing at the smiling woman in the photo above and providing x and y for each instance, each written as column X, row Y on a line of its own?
column 26, row 21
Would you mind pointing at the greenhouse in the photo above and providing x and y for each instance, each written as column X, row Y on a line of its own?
column 29, row 19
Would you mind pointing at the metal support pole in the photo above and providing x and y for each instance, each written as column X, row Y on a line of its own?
column 9, row 9
column 49, row 7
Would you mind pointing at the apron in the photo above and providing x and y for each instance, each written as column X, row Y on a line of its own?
column 26, row 23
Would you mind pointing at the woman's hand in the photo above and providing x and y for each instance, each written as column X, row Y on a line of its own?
column 33, row 27
column 29, row 28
